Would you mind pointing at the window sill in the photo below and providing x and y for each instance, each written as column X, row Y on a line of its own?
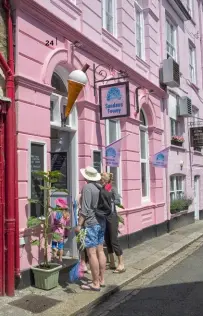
column 197, row 152
column 142, row 61
column 111, row 37
column 177, row 147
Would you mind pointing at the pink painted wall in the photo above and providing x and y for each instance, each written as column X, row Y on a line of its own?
column 35, row 64
column 193, row 162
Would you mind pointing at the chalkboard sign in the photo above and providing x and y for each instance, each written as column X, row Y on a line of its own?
column 196, row 136
column 37, row 164
column 59, row 163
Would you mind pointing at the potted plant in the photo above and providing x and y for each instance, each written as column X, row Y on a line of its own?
column 46, row 274
column 177, row 140
column 179, row 205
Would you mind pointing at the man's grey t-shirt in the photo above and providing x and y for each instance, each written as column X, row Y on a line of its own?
column 90, row 198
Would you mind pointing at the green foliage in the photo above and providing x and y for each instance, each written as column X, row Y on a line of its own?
column 48, row 179
column 179, row 205
column 121, row 219
column 80, row 238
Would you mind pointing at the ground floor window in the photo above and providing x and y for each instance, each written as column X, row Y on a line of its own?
column 176, row 187
column 113, row 133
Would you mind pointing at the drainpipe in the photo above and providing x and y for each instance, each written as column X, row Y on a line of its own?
column 12, row 241
column 201, row 35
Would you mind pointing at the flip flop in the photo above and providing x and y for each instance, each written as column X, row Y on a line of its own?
column 89, row 287
column 119, row 271
column 101, row 285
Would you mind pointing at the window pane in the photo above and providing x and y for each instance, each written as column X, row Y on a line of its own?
column 172, row 196
column 144, row 179
column 109, row 7
column 97, row 160
column 143, row 144
column 179, row 183
column 179, row 194
column 112, row 131
column 52, row 111
column 172, row 184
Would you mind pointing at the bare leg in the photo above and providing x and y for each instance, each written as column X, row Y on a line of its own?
column 60, row 254
column 120, row 263
column 54, row 253
column 102, row 263
column 94, row 266
column 112, row 261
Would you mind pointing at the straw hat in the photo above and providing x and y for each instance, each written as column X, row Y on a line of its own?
column 90, row 174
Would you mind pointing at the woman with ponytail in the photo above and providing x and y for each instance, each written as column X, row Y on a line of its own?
column 112, row 223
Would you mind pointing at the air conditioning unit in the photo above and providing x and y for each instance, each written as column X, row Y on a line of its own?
column 185, row 107
column 170, row 74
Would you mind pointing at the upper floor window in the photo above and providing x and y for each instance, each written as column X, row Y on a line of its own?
column 192, row 63
column 140, row 47
column 113, row 133
column 171, row 40
column 195, row 113
column 144, row 157
column 176, row 137
column 176, row 187
column 109, row 11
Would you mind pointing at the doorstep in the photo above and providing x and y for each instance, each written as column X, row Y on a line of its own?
column 71, row 300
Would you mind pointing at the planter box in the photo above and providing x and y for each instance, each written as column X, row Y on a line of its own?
column 47, row 279
column 181, row 219
column 176, row 143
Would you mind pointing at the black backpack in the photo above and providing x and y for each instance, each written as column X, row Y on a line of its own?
column 106, row 204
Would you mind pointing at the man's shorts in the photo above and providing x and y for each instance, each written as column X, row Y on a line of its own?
column 57, row 245
column 94, row 236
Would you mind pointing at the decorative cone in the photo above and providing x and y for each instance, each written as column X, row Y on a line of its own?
column 74, row 88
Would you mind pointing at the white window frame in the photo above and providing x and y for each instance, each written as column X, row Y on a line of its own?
column 192, row 63
column 118, row 136
column 144, row 128
column 174, row 125
column 172, row 45
column 175, row 191
column 190, row 7
column 30, row 142
column 139, row 10
column 114, row 17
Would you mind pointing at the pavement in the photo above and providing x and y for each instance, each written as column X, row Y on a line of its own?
column 70, row 300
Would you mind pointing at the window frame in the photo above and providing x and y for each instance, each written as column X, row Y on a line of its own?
column 174, row 177
column 195, row 113
column 114, row 17
column 118, row 136
column 44, row 144
column 174, row 45
column 139, row 9
column 144, row 128
column 192, row 63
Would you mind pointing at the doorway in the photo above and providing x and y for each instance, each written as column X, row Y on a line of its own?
column 196, row 197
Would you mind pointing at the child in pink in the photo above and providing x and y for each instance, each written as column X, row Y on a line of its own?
column 60, row 222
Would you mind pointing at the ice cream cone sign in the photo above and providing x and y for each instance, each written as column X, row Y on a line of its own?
column 76, row 82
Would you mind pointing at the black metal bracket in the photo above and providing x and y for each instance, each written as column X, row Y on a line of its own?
column 104, row 73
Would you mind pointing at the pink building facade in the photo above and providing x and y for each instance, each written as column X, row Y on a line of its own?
column 54, row 37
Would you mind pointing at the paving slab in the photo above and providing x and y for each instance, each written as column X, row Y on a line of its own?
column 71, row 300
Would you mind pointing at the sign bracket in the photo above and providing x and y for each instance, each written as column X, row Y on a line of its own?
column 104, row 73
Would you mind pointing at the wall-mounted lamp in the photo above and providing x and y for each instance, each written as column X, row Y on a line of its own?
column 181, row 164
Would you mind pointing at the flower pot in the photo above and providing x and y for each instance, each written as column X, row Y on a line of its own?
column 47, row 279
column 176, row 143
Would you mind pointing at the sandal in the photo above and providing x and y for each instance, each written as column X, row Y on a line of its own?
column 118, row 271
column 89, row 287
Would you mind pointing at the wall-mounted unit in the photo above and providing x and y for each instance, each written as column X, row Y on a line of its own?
column 185, row 107
column 170, row 73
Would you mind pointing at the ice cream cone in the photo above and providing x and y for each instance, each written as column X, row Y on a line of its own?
column 74, row 88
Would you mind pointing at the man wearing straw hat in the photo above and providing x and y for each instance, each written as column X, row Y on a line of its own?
column 95, row 229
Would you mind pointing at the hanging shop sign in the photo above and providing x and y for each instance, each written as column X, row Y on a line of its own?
column 114, row 100
column 196, row 136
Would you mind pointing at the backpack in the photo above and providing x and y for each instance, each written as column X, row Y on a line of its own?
column 106, row 205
